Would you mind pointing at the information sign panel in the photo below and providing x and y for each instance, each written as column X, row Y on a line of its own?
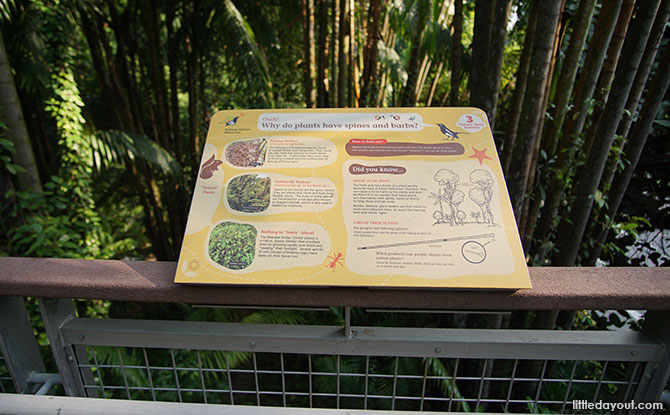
column 379, row 197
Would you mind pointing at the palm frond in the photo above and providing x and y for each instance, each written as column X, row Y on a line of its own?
column 7, row 9
column 447, row 384
column 112, row 147
column 390, row 58
column 243, row 47
column 274, row 317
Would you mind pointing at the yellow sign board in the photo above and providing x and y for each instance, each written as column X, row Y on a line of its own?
column 379, row 197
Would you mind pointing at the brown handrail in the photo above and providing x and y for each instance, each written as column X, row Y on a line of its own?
column 553, row 288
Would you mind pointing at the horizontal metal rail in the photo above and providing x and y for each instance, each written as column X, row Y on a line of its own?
column 554, row 288
column 11, row 404
column 410, row 342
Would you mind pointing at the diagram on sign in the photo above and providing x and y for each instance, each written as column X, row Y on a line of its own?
column 449, row 198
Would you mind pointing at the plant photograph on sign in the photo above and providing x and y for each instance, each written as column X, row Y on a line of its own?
column 249, row 193
column 232, row 245
column 247, row 153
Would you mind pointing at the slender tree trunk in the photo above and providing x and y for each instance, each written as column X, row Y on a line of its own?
column 528, row 212
column 574, row 123
column 481, row 48
column 413, row 67
column 569, row 68
column 638, row 137
column 89, row 26
column 308, row 52
column 11, row 114
column 633, row 101
column 640, row 132
column 545, row 34
column 433, row 85
column 175, row 135
column 571, row 232
column 120, row 73
column 156, row 69
column 607, row 73
column 343, row 54
column 322, row 56
column 190, row 26
column 519, row 91
column 352, row 85
column 370, row 53
column 457, row 53
column 334, row 53
column 494, row 67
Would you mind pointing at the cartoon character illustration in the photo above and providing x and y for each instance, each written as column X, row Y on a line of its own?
column 209, row 167
column 449, row 133
column 233, row 121
column 335, row 260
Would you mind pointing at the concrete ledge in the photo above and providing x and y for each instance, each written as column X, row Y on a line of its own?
column 553, row 288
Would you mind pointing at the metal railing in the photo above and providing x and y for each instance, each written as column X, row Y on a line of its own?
column 343, row 366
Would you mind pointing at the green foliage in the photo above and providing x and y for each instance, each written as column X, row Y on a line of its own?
column 112, row 148
column 7, row 151
column 39, row 224
column 249, row 193
column 232, row 245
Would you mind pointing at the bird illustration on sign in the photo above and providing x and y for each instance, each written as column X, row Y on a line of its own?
column 233, row 121
column 450, row 133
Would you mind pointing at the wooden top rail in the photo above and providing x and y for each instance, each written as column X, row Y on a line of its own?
column 553, row 288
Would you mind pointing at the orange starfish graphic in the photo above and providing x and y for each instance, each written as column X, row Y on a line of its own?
column 479, row 155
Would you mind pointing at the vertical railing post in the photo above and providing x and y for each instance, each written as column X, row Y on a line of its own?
column 18, row 344
column 656, row 374
column 55, row 314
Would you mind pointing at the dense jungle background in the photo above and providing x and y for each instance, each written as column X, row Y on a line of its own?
column 105, row 104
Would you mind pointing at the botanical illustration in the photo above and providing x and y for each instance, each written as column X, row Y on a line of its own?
column 249, row 193
column 247, row 153
column 232, row 245
column 449, row 198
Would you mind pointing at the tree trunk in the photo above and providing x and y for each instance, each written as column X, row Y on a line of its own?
column 527, row 220
column 607, row 72
column 433, row 85
column 413, row 67
column 637, row 90
column 370, row 53
column 481, row 47
column 11, row 114
column 636, row 139
column 569, row 68
column 545, row 34
column 354, row 93
column 89, row 26
column 574, row 123
column 519, row 91
column 308, row 59
column 457, row 53
column 494, row 66
column 157, row 74
column 333, row 95
column 175, row 135
column 322, row 56
column 190, row 26
column 120, row 75
column 571, row 232
column 343, row 54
